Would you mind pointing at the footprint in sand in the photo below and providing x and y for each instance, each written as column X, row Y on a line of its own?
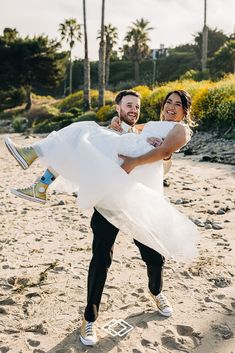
column 33, row 343
column 4, row 349
column 181, row 337
column 223, row 331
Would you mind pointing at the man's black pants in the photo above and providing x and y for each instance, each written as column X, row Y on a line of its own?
column 102, row 247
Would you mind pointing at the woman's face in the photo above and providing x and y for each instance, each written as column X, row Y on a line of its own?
column 173, row 108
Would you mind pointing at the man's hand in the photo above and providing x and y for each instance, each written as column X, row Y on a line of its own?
column 154, row 141
column 116, row 124
column 128, row 164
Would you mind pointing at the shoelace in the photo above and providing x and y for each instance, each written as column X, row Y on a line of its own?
column 89, row 329
column 30, row 188
column 163, row 301
column 25, row 148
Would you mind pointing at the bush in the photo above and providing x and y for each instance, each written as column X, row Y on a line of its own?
column 106, row 113
column 213, row 104
column 195, row 75
column 226, row 113
column 39, row 114
column 20, row 124
column 144, row 91
column 151, row 106
column 75, row 111
column 75, row 100
column 108, row 98
column 88, row 116
column 11, row 114
column 53, row 123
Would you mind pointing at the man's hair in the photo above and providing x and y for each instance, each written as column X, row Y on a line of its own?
column 126, row 93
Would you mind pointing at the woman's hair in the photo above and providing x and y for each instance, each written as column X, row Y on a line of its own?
column 186, row 103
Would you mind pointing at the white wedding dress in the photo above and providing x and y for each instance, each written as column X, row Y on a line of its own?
column 86, row 156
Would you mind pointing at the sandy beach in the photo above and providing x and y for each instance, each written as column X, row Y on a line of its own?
column 45, row 253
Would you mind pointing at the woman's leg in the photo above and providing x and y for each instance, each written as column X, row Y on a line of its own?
column 25, row 156
column 37, row 191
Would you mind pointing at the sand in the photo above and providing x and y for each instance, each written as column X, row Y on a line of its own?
column 45, row 253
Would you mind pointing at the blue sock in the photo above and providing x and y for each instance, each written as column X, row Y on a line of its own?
column 47, row 177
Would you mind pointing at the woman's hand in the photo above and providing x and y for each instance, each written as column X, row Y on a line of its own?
column 116, row 124
column 155, row 141
column 129, row 163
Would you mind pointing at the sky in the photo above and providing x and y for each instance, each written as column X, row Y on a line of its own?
column 174, row 21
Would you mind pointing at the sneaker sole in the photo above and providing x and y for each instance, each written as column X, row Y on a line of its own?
column 10, row 146
column 165, row 314
column 87, row 343
column 27, row 197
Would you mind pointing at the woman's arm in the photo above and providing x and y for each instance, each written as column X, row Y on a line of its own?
column 175, row 139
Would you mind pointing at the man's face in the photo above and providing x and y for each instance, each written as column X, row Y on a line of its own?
column 129, row 109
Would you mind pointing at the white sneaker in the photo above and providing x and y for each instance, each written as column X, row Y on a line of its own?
column 88, row 333
column 163, row 304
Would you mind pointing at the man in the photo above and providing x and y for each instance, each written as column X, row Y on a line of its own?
column 128, row 110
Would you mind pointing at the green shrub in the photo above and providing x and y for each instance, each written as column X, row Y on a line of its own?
column 195, row 75
column 46, row 127
column 75, row 111
column 88, row 116
column 226, row 113
column 54, row 123
column 106, row 113
column 20, row 124
column 151, row 106
column 39, row 114
column 213, row 104
column 75, row 100
column 11, row 114
column 108, row 98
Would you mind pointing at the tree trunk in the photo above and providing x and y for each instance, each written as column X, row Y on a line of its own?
column 70, row 73
column 204, row 47
column 137, row 72
column 107, row 67
column 87, row 80
column 102, row 60
column 28, row 98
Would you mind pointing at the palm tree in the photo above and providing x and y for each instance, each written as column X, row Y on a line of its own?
column 10, row 34
column 87, row 80
column 111, row 36
column 102, row 59
column 136, row 47
column 70, row 31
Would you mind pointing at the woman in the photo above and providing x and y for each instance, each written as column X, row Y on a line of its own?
column 86, row 155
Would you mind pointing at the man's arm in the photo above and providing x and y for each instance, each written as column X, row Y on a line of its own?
column 175, row 139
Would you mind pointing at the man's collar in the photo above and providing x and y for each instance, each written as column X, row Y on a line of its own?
column 127, row 128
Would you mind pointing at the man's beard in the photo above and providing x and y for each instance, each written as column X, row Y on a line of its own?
column 128, row 120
